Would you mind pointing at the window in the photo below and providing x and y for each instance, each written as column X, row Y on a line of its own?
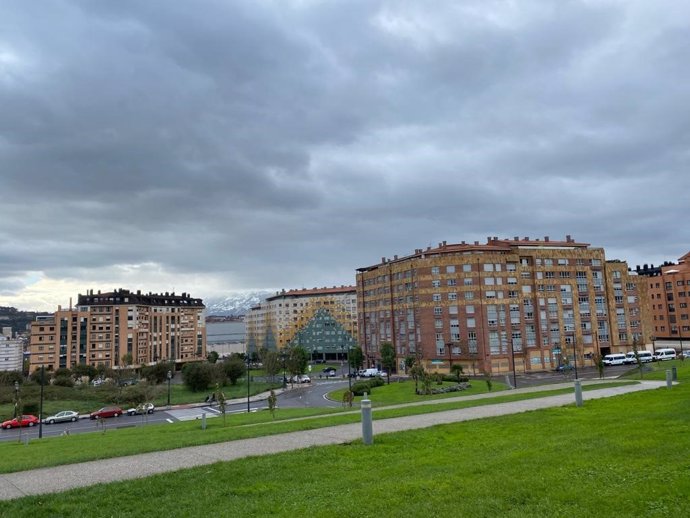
column 488, row 267
column 436, row 283
column 452, row 296
column 467, row 281
column 450, row 268
column 471, row 322
column 469, row 295
column 452, row 282
column 489, row 281
column 527, row 289
column 436, row 297
column 435, row 270
column 469, row 310
column 438, row 310
column 466, row 267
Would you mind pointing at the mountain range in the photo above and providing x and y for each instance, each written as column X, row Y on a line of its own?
column 235, row 304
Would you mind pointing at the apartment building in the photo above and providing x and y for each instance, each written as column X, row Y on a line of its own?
column 11, row 351
column 507, row 305
column 321, row 320
column 115, row 327
column 668, row 288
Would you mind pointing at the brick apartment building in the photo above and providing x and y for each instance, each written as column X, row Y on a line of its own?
column 668, row 288
column 321, row 320
column 104, row 327
column 510, row 304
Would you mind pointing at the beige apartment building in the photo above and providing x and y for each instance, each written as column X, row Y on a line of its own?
column 507, row 305
column 668, row 288
column 321, row 320
column 110, row 328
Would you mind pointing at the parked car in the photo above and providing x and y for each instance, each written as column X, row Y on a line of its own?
column 128, row 382
column 98, row 382
column 614, row 359
column 301, row 378
column 564, row 367
column 645, row 357
column 62, row 417
column 664, row 354
column 26, row 420
column 106, row 411
column 369, row 373
column 329, row 371
column 144, row 408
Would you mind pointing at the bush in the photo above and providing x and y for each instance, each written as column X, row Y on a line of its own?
column 452, row 378
column 198, row 376
column 360, row 387
column 63, row 381
column 158, row 373
column 8, row 378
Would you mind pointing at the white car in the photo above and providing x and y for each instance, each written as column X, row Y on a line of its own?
column 62, row 417
column 301, row 378
column 144, row 408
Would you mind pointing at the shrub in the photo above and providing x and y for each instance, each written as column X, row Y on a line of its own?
column 63, row 381
column 360, row 387
column 198, row 376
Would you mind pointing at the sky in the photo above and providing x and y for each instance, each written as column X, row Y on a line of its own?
column 218, row 146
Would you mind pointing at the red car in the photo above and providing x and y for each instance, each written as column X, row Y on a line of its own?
column 106, row 411
column 27, row 420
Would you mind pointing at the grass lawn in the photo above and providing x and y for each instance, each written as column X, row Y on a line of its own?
column 617, row 457
column 130, row 441
column 657, row 370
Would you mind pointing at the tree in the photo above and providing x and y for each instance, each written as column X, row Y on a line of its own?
column 212, row 357
column 272, row 401
column 598, row 360
column 81, row 369
column 220, row 397
column 158, row 372
column 356, row 358
column 127, row 360
column 418, row 373
column 456, row 369
column 197, row 376
column 409, row 362
column 271, row 362
column 388, row 358
column 234, row 369
column 297, row 360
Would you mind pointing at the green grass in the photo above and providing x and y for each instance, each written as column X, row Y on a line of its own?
column 657, row 370
column 130, row 441
column 618, row 457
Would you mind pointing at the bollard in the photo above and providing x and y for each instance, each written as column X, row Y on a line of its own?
column 578, row 393
column 508, row 382
column 367, row 433
column 674, row 374
column 668, row 378
column 203, row 420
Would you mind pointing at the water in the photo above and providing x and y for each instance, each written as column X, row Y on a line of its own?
column 222, row 332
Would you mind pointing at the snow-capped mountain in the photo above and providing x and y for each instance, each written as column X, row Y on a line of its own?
column 235, row 304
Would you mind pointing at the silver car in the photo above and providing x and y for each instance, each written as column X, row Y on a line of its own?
column 62, row 417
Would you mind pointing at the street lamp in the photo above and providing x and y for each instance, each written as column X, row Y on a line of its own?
column 653, row 344
column 169, row 379
column 283, row 357
column 17, row 413
column 248, row 361
column 575, row 359
column 512, row 355
column 40, row 409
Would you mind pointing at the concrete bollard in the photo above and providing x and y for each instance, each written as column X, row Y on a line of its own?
column 367, row 430
column 674, row 374
column 508, row 382
column 203, row 420
column 669, row 378
column 578, row 393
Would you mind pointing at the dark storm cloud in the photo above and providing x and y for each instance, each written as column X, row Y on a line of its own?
column 280, row 144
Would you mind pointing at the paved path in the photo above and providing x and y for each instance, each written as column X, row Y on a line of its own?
column 62, row 478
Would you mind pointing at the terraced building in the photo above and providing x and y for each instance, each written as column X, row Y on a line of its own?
column 508, row 305
column 107, row 328
column 321, row 320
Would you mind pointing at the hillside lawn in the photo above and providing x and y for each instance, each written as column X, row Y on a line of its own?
column 616, row 457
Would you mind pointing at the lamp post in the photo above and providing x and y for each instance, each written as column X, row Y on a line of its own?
column 248, row 362
column 575, row 359
column 283, row 357
column 169, row 380
column 512, row 357
column 653, row 344
column 40, row 409
column 17, row 409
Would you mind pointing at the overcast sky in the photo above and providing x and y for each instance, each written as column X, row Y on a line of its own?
column 216, row 146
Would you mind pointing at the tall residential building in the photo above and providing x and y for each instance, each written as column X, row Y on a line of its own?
column 321, row 320
column 11, row 351
column 106, row 327
column 510, row 304
column 668, row 288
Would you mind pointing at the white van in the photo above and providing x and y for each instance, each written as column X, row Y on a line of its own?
column 645, row 357
column 614, row 359
column 664, row 354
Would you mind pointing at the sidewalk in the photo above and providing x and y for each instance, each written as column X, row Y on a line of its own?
column 63, row 478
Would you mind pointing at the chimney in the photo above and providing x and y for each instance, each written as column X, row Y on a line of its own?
column 444, row 243
column 476, row 243
column 395, row 257
column 546, row 238
column 526, row 238
column 568, row 238
column 463, row 243
column 383, row 259
column 516, row 238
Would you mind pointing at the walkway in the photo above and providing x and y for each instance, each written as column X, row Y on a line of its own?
column 63, row 478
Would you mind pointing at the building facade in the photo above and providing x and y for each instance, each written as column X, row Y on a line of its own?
column 11, row 351
column 321, row 320
column 118, row 327
column 668, row 288
column 508, row 305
